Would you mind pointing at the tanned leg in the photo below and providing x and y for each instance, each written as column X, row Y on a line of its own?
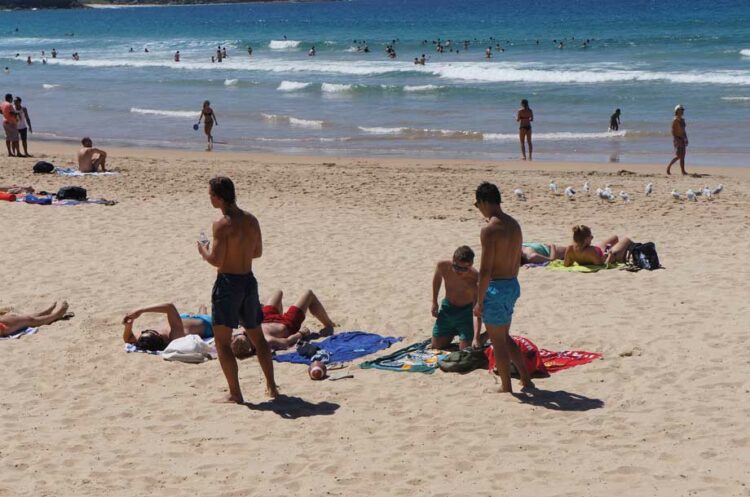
column 506, row 350
column 263, row 351
column 223, row 341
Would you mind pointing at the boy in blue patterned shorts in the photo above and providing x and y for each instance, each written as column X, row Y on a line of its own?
column 498, row 282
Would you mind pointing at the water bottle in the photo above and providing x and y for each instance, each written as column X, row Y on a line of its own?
column 203, row 239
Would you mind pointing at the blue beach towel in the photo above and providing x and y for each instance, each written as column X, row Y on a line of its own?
column 69, row 171
column 416, row 358
column 344, row 347
column 20, row 333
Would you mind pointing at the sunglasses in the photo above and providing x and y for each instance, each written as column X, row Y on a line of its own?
column 459, row 269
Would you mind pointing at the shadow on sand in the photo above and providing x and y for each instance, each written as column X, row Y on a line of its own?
column 559, row 400
column 294, row 407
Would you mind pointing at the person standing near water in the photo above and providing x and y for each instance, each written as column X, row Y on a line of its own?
column 24, row 124
column 614, row 121
column 524, row 116
column 209, row 119
column 679, row 139
column 237, row 241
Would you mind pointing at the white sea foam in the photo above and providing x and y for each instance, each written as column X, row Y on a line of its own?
column 382, row 131
column 292, row 86
column 305, row 123
column 739, row 99
column 166, row 113
column 559, row 136
column 745, row 52
column 421, row 88
column 335, row 88
column 283, row 44
column 231, row 82
column 48, row 86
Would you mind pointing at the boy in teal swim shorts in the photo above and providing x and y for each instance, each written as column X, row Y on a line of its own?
column 498, row 283
column 455, row 317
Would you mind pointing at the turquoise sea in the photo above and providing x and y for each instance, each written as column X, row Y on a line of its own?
column 643, row 57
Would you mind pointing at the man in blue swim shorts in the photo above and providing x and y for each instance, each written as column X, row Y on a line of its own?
column 236, row 242
column 177, row 326
column 498, row 283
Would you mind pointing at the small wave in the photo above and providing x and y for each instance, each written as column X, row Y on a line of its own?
column 283, row 44
column 305, row 123
column 292, row 86
column 739, row 99
column 420, row 88
column 745, row 52
column 382, row 131
column 48, row 86
column 165, row 113
column 335, row 88
column 417, row 133
column 329, row 42
column 231, row 82
column 559, row 136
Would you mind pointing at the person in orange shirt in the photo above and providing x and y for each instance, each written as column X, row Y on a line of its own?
column 10, row 125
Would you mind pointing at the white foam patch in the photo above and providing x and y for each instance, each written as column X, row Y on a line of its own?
column 559, row 136
column 166, row 113
column 292, row 86
column 48, row 86
column 738, row 99
column 283, row 44
column 421, row 88
column 305, row 123
column 745, row 52
column 382, row 131
column 231, row 82
column 335, row 88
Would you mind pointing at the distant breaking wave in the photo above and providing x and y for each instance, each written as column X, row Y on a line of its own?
column 294, row 121
column 421, row 88
column 283, row 44
column 48, row 86
column 292, row 86
column 231, row 82
column 745, row 52
column 335, row 88
column 740, row 99
column 165, row 113
column 416, row 133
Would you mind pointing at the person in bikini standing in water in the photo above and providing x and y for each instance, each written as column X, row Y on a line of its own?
column 524, row 116
column 237, row 241
column 208, row 114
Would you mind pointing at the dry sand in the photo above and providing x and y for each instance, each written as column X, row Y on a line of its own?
column 664, row 413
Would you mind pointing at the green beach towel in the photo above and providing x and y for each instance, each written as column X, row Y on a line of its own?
column 576, row 268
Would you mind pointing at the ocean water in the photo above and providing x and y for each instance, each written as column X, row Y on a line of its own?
column 644, row 57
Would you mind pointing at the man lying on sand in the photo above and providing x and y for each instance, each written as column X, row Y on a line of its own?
column 177, row 326
column 613, row 249
column 11, row 323
column 90, row 159
column 284, row 329
column 455, row 316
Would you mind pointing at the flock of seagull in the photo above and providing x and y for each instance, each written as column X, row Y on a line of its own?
column 606, row 194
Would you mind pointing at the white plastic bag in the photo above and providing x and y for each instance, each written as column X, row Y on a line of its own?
column 190, row 348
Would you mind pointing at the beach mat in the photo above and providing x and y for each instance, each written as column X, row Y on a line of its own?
column 576, row 268
column 21, row 333
column 50, row 200
column 344, row 347
column 416, row 358
column 70, row 171
column 541, row 362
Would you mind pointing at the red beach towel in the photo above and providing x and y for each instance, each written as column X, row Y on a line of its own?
column 541, row 362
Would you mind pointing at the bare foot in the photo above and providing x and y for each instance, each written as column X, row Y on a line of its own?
column 230, row 399
column 272, row 391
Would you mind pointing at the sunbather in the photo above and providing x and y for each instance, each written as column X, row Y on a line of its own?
column 11, row 323
column 15, row 189
column 284, row 329
column 177, row 326
column 611, row 250
column 539, row 253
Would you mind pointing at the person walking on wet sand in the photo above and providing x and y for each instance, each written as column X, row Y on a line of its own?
column 524, row 116
column 209, row 119
column 237, row 241
column 679, row 139
column 498, row 282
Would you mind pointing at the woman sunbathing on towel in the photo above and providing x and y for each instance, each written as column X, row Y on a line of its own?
column 611, row 250
column 284, row 329
column 11, row 323
column 539, row 253
column 177, row 326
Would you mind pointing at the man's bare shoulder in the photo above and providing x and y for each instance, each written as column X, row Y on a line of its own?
column 443, row 266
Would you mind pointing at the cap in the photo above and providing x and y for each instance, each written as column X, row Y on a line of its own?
column 679, row 107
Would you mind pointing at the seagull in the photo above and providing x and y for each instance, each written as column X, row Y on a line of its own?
column 716, row 191
column 649, row 189
column 570, row 193
column 625, row 197
column 675, row 195
column 553, row 187
column 707, row 192
column 519, row 194
column 691, row 195
column 587, row 188
column 604, row 194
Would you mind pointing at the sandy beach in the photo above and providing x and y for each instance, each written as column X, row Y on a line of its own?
column 664, row 413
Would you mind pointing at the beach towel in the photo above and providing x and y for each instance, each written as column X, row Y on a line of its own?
column 344, row 347
column 576, row 268
column 536, row 264
column 416, row 358
column 21, row 333
column 131, row 348
column 541, row 362
column 70, row 171
column 49, row 200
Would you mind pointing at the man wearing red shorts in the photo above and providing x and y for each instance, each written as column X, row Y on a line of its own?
column 284, row 329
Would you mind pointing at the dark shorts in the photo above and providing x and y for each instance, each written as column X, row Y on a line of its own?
column 24, row 132
column 235, row 301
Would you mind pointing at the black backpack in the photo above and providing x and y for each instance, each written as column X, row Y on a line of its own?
column 42, row 167
column 71, row 193
column 643, row 256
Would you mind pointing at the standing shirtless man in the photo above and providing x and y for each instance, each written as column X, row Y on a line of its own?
column 236, row 242
column 498, row 282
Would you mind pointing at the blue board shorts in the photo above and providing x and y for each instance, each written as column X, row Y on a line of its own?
column 499, row 301
column 235, row 301
column 208, row 325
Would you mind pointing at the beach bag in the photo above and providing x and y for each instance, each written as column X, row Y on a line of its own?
column 643, row 256
column 463, row 361
column 531, row 356
column 9, row 197
column 71, row 193
column 190, row 348
column 43, row 167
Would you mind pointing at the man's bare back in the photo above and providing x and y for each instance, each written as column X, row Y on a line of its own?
column 91, row 159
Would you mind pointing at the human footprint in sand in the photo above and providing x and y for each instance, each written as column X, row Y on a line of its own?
column 613, row 249
column 237, row 241
column 91, row 159
column 455, row 315
column 11, row 323
column 284, row 329
column 177, row 326
column 498, row 282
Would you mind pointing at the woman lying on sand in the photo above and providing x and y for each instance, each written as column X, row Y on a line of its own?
column 11, row 323
column 539, row 253
column 177, row 326
column 611, row 250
